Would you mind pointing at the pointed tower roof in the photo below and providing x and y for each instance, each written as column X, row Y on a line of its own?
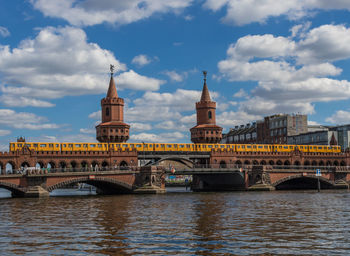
column 205, row 92
column 112, row 89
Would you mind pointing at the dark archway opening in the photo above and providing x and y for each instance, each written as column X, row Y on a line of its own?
column 303, row 183
column 222, row 164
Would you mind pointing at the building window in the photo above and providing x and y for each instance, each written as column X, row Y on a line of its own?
column 107, row 111
column 209, row 114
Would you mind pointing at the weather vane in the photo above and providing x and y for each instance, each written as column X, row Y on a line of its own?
column 205, row 75
column 111, row 68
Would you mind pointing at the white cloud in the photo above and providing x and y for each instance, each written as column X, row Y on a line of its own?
column 141, row 60
column 174, row 76
column 24, row 120
column 92, row 12
column 241, row 12
column 87, row 131
column 230, row 118
column 60, row 62
column 340, row 117
column 4, row 132
column 137, row 127
column 96, row 115
column 15, row 101
column 162, row 137
column 4, row 32
column 291, row 75
column 240, row 94
column 132, row 80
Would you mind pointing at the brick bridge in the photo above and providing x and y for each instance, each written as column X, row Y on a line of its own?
column 110, row 171
column 36, row 183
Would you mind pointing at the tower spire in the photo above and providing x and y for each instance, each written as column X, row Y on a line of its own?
column 112, row 90
column 205, row 92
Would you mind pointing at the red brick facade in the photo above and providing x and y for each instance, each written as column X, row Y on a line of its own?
column 112, row 128
column 206, row 130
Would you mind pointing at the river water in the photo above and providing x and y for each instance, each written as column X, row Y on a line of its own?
column 179, row 223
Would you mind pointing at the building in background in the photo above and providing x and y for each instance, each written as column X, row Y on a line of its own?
column 243, row 134
column 271, row 130
column 324, row 135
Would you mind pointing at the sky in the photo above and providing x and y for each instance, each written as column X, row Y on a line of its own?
column 263, row 57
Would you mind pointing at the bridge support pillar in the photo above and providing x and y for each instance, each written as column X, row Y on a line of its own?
column 36, row 191
column 150, row 180
column 218, row 182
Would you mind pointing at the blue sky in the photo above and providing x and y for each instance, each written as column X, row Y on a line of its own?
column 262, row 57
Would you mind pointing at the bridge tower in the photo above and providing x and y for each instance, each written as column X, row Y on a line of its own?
column 206, row 130
column 112, row 128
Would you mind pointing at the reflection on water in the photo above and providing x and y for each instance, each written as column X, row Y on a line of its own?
column 239, row 223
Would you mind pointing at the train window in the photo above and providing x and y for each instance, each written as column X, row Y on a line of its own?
column 204, row 146
column 92, row 145
column 181, row 146
column 35, row 145
column 188, row 146
column 138, row 145
column 57, row 145
column 77, row 145
column 50, row 145
column 169, row 146
column 132, row 145
column 157, row 146
column 285, row 147
column 42, row 145
column 70, row 145
column 28, row 145
column 249, row 146
column 280, row 147
column 145, row 145
column 243, row 146
column 319, row 147
column 216, row 146
column 266, row 147
column 19, row 145
column 210, row 146
column 99, row 145
column 162, row 145
column 222, row 146
column 85, row 145
column 290, row 147
column 175, row 145
column 260, row 146
column 125, row 145
column 64, row 145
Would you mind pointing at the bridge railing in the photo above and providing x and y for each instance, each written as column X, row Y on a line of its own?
column 66, row 170
column 242, row 167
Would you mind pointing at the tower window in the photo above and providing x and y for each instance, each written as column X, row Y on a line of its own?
column 107, row 111
column 209, row 114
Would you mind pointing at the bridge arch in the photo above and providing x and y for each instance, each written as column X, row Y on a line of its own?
column 314, row 163
column 222, row 164
column 2, row 169
column 286, row 162
column 10, row 167
column 182, row 161
column 25, row 164
column 15, row 189
column 262, row 162
column 105, row 185
column 342, row 163
column 307, row 162
column 271, row 162
column 321, row 163
column 336, row 163
column 301, row 182
column 279, row 162
column 296, row 163
column 238, row 162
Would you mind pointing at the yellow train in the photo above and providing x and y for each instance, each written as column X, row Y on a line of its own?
column 178, row 147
